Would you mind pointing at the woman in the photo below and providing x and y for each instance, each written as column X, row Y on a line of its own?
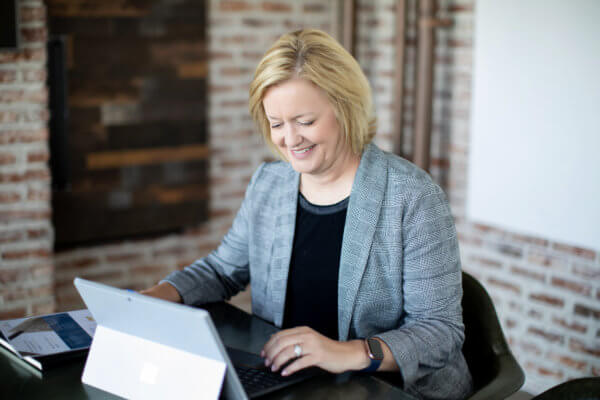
column 351, row 250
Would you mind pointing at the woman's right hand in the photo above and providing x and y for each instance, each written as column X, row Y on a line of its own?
column 164, row 291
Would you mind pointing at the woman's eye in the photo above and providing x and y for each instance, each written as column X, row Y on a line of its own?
column 306, row 123
column 274, row 126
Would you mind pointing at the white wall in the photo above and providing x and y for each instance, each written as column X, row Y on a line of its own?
column 535, row 135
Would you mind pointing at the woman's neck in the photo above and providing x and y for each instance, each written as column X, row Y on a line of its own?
column 332, row 187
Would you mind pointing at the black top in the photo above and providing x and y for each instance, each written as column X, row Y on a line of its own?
column 312, row 289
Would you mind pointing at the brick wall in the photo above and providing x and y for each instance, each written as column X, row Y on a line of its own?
column 26, row 268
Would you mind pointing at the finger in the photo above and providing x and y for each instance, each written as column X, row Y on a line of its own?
column 285, row 343
column 283, row 357
column 300, row 363
column 282, row 334
column 277, row 344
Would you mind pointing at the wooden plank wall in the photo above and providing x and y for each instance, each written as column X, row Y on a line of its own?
column 136, row 126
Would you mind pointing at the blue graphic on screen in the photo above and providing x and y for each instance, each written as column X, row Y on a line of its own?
column 68, row 330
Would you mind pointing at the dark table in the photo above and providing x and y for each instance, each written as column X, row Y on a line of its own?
column 237, row 329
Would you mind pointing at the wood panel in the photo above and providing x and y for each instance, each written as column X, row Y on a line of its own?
column 135, row 119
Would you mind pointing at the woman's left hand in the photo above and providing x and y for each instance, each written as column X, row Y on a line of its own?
column 316, row 351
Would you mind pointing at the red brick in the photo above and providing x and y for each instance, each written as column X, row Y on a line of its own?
column 529, row 347
column 81, row 262
column 569, row 361
column 235, row 163
column 34, row 34
column 576, row 251
column 256, row 22
column 6, row 313
column 38, row 96
column 9, row 197
column 548, row 336
column 8, row 76
column 8, row 117
column 234, row 103
column 23, row 254
column 26, row 55
column 23, row 215
column 580, row 347
column 38, row 233
column 510, row 250
column 461, row 8
column 485, row 262
column 540, row 258
column 528, row 273
column 32, row 14
column 30, row 175
column 504, row 285
column 220, row 55
column 11, row 236
column 276, row 7
column 234, row 6
column 38, row 156
column 25, row 136
column 235, row 71
column 218, row 213
column 575, row 287
column 573, row 326
column 123, row 257
column 314, row 8
column 586, row 311
column 547, row 299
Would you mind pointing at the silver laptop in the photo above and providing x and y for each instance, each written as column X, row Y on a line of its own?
column 154, row 349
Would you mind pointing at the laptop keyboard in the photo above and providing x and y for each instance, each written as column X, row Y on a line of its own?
column 256, row 380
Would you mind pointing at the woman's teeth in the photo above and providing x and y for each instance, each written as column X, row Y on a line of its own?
column 303, row 150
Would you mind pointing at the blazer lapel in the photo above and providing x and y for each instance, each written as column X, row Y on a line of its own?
column 285, row 224
column 361, row 218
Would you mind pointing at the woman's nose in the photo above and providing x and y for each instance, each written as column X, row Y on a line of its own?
column 291, row 136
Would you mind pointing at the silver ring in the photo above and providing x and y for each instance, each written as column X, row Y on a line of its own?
column 298, row 350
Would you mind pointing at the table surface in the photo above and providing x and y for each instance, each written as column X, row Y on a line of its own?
column 236, row 328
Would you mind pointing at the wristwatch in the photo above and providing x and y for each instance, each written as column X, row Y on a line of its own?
column 375, row 353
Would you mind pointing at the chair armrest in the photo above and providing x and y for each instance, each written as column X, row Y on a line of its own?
column 509, row 378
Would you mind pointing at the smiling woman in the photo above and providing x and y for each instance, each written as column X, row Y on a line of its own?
column 352, row 251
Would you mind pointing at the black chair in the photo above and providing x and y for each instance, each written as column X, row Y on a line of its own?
column 496, row 373
column 576, row 389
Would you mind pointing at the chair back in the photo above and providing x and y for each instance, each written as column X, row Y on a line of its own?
column 496, row 373
column 576, row 389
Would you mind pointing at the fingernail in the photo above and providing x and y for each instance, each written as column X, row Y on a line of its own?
column 284, row 372
column 273, row 368
column 262, row 353
column 267, row 362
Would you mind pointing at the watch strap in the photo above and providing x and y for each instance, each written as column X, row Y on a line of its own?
column 373, row 366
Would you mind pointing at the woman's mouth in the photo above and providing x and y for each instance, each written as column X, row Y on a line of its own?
column 304, row 152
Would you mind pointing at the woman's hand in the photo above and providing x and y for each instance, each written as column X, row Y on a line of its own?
column 316, row 351
column 164, row 291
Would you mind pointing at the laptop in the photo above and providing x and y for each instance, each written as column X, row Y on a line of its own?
column 149, row 348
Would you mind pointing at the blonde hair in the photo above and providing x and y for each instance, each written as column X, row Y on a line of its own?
column 315, row 56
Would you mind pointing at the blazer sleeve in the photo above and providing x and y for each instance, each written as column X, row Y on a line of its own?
column 225, row 271
column 432, row 332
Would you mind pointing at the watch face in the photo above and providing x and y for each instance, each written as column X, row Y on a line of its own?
column 375, row 349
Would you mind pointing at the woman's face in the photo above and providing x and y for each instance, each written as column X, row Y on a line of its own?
column 304, row 127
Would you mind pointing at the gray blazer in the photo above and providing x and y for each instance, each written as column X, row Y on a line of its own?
column 399, row 276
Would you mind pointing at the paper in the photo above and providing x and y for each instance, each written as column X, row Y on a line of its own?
column 50, row 334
